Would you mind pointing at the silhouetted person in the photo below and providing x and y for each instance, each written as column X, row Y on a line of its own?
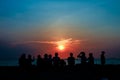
column 50, row 60
column 103, row 57
column 30, row 60
column 90, row 59
column 56, row 60
column 71, row 60
column 46, row 60
column 83, row 57
column 22, row 60
column 62, row 63
column 39, row 61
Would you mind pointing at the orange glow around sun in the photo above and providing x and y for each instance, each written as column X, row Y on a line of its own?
column 65, row 43
column 62, row 44
column 61, row 47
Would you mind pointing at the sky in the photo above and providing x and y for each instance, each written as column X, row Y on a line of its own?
column 38, row 26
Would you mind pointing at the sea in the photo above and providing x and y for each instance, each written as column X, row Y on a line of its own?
column 77, row 61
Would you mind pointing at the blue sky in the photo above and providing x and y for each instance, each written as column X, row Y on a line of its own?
column 97, row 21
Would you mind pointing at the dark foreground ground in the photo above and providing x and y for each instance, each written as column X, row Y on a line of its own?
column 78, row 72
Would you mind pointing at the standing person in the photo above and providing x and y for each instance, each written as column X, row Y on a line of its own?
column 56, row 60
column 62, row 63
column 22, row 60
column 46, row 61
column 50, row 60
column 103, row 58
column 71, row 60
column 30, row 60
column 83, row 58
column 39, row 61
column 91, row 59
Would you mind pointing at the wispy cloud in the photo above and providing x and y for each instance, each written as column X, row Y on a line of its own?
column 63, row 41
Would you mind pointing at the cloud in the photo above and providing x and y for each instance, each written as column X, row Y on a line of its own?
column 69, row 41
column 63, row 41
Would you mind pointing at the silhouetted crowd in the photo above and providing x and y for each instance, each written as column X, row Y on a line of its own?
column 56, row 61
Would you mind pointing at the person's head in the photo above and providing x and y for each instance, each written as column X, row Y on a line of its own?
column 71, row 54
column 39, row 56
column 82, row 53
column 90, row 54
column 45, row 55
column 56, row 54
column 103, row 52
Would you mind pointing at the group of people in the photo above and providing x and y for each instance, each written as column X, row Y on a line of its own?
column 47, row 60
column 90, row 59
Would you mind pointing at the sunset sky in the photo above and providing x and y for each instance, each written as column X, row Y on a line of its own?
column 40, row 26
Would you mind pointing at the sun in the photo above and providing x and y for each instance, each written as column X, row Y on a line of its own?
column 61, row 47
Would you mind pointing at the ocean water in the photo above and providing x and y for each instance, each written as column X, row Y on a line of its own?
column 77, row 61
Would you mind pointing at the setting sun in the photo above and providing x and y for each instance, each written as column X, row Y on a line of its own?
column 61, row 47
